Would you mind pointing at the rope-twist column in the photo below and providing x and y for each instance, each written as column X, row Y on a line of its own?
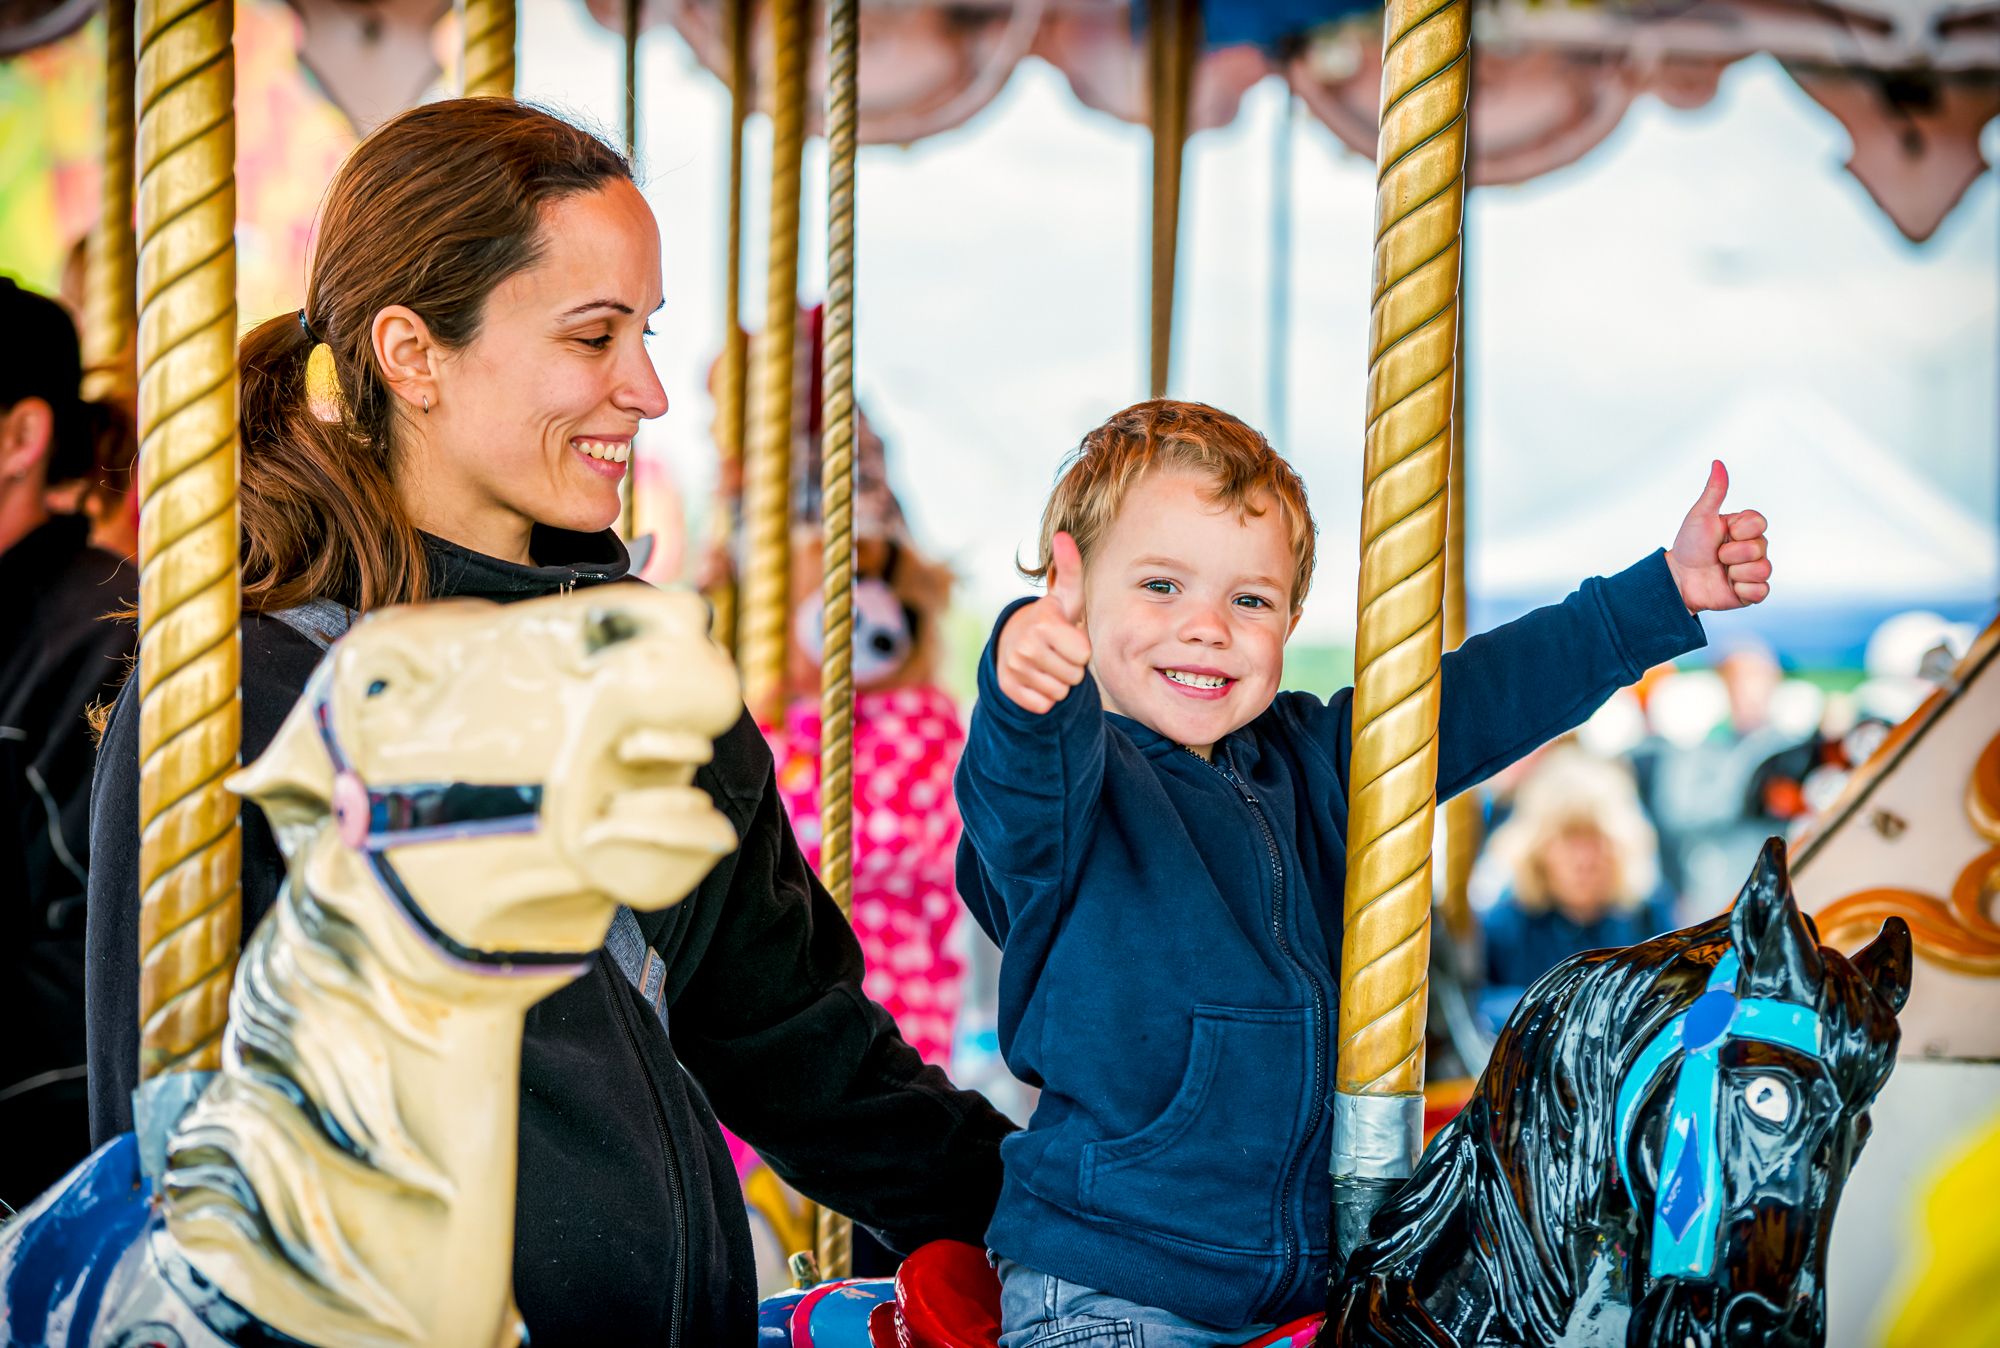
column 190, row 857
column 836, row 686
column 1413, row 341
column 1463, row 824
column 767, row 582
column 1172, row 40
column 729, row 378
column 110, row 301
column 486, row 58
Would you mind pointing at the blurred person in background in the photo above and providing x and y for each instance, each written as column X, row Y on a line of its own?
column 57, row 657
column 1582, row 862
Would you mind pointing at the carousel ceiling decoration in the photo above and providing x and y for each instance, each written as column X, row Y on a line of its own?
column 1913, row 81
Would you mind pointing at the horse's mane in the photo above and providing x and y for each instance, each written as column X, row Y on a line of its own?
column 302, row 1095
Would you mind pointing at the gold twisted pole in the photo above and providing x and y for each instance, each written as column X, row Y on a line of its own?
column 486, row 58
column 729, row 380
column 767, row 584
column 1413, row 340
column 110, row 302
column 190, row 917
column 1172, row 40
column 1463, row 825
column 836, row 676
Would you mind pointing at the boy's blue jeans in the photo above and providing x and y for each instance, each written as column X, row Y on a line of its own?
column 1039, row 1311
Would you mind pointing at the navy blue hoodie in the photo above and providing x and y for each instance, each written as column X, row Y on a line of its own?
column 1171, row 929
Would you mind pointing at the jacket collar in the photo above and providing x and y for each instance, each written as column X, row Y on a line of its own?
column 564, row 560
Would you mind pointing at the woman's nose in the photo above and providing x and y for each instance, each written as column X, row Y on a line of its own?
column 642, row 392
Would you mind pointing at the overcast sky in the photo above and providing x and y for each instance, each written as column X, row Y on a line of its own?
column 1618, row 306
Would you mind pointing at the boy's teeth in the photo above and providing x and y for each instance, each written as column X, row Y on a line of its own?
column 611, row 451
column 1195, row 680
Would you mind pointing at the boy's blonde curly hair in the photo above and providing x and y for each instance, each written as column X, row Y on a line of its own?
column 1160, row 434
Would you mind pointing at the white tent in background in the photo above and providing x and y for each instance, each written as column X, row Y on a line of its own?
column 1851, row 525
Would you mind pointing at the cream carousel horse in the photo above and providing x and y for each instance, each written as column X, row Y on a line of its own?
column 464, row 796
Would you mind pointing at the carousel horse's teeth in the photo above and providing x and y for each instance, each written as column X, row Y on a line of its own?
column 611, row 451
column 653, row 747
column 1195, row 680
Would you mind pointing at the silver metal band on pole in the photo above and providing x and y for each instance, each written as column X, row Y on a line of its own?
column 1377, row 1136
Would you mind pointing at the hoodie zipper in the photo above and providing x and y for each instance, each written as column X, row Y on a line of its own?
column 675, row 1187
column 1228, row 774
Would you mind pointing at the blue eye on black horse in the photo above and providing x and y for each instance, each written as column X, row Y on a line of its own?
column 1655, row 1152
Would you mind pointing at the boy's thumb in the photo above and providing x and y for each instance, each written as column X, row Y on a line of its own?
column 1066, row 576
column 1716, row 489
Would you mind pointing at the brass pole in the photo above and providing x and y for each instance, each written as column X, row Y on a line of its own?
column 836, row 677
column 626, row 484
column 767, row 584
column 1464, row 826
column 486, row 58
column 190, row 856
column 111, row 307
column 1413, row 339
column 1172, row 41
column 730, row 382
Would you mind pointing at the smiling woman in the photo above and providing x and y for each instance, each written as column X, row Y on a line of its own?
column 449, row 417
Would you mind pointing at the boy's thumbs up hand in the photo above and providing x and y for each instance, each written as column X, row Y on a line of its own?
column 1720, row 560
column 1043, row 651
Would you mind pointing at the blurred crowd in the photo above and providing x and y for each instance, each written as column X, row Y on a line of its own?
column 1648, row 817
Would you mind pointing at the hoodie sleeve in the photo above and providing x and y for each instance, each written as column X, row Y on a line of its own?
column 1520, row 685
column 770, row 1018
column 1028, row 790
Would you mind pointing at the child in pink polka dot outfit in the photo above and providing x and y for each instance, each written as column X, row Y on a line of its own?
column 906, row 747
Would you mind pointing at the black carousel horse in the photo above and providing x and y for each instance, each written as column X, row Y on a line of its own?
column 1654, row 1153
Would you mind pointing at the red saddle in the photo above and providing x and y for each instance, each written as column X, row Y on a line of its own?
column 947, row 1296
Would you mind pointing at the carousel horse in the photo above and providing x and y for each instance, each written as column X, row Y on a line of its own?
column 1651, row 1159
column 464, row 795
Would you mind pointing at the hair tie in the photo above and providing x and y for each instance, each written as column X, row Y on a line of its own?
column 323, row 396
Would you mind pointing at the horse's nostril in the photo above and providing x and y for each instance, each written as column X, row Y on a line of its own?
column 607, row 627
column 883, row 643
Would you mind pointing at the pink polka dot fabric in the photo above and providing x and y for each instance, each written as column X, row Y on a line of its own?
column 907, row 743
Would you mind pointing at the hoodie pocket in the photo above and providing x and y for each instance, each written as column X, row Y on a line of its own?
column 1210, row 1168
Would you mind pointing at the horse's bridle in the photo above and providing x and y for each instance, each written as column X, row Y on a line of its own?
column 1687, row 1211
column 372, row 820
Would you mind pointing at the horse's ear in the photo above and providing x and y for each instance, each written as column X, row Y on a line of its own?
column 291, row 781
column 1884, row 964
column 1773, row 938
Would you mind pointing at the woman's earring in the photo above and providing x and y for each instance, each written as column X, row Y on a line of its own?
column 427, row 404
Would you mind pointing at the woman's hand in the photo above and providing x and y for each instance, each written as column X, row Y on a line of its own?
column 1043, row 651
column 1720, row 560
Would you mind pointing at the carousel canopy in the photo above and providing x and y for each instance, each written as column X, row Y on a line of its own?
column 1912, row 81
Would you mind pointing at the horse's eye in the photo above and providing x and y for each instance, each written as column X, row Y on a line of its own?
column 1768, row 1099
column 378, row 687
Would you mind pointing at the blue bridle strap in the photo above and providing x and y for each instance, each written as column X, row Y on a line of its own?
column 1687, row 1209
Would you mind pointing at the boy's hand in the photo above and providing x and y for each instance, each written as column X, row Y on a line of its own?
column 1720, row 561
column 1043, row 651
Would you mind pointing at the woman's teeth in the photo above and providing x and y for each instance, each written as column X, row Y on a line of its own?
column 1196, row 680
column 611, row 451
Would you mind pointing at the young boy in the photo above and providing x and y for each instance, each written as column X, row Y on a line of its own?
column 1154, row 836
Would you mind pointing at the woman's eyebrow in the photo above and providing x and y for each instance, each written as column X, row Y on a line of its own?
column 616, row 306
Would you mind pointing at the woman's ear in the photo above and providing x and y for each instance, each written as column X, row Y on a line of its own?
column 407, row 354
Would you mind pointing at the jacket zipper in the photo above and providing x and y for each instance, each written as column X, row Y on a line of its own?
column 1292, row 1259
column 675, row 1189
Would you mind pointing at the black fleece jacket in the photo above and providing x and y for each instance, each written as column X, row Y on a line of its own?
column 58, row 655
column 630, row 1227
